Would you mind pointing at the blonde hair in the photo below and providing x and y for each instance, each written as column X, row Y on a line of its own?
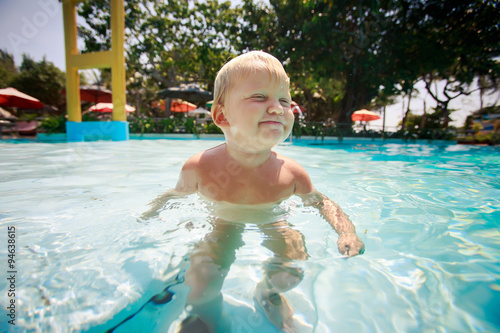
column 243, row 65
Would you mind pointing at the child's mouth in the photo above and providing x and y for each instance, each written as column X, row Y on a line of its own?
column 271, row 122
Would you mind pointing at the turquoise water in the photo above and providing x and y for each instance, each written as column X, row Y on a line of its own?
column 428, row 215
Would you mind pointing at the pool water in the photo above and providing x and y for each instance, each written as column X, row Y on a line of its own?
column 428, row 215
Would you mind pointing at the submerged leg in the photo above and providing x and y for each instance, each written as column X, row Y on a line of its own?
column 280, row 276
column 209, row 265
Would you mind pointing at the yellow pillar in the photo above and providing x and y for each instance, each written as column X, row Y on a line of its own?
column 72, row 78
column 118, row 59
column 76, row 130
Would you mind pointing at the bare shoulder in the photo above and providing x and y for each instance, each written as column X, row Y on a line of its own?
column 199, row 160
column 291, row 165
column 302, row 180
column 196, row 168
column 192, row 162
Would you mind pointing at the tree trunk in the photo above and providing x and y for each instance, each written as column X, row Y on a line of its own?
column 352, row 100
column 383, row 120
column 481, row 91
column 309, row 104
column 137, row 103
column 424, row 118
column 445, row 115
column 403, row 123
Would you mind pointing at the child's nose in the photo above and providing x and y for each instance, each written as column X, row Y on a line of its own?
column 276, row 108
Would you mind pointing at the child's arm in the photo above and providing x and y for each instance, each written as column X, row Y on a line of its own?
column 187, row 184
column 348, row 243
column 159, row 202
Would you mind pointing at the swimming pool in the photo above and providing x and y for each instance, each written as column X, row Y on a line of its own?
column 428, row 215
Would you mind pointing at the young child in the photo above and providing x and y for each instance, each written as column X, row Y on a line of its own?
column 252, row 108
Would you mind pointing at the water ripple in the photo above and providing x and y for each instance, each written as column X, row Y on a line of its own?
column 428, row 215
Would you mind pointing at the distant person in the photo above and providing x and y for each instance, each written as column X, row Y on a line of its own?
column 244, row 176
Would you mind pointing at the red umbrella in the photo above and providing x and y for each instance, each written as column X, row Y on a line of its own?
column 178, row 105
column 95, row 94
column 159, row 104
column 14, row 98
column 364, row 115
column 108, row 107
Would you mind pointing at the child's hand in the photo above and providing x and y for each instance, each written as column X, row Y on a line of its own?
column 350, row 244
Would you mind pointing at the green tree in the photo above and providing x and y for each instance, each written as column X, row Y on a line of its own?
column 432, row 128
column 485, row 86
column 8, row 70
column 362, row 45
column 42, row 80
column 446, row 40
column 340, row 51
column 339, row 41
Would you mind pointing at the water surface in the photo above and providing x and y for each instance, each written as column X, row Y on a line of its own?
column 428, row 215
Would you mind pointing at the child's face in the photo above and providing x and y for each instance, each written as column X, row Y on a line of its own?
column 258, row 112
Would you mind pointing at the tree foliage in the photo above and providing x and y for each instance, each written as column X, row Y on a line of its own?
column 8, row 70
column 365, row 46
column 42, row 80
column 325, row 39
column 341, row 55
column 454, row 41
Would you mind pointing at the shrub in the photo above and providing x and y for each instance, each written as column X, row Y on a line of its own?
column 211, row 128
column 53, row 124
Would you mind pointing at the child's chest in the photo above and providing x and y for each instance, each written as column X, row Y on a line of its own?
column 252, row 187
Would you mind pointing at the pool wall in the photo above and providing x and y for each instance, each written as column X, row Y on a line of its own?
column 97, row 130
column 307, row 140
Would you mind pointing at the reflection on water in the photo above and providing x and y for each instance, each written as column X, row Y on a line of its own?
column 427, row 214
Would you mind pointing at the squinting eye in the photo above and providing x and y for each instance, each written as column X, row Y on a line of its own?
column 285, row 102
column 260, row 97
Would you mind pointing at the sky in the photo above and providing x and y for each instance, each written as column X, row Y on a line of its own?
column 35, row 27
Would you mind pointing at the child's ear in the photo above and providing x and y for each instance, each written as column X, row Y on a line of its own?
column 219, row 116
